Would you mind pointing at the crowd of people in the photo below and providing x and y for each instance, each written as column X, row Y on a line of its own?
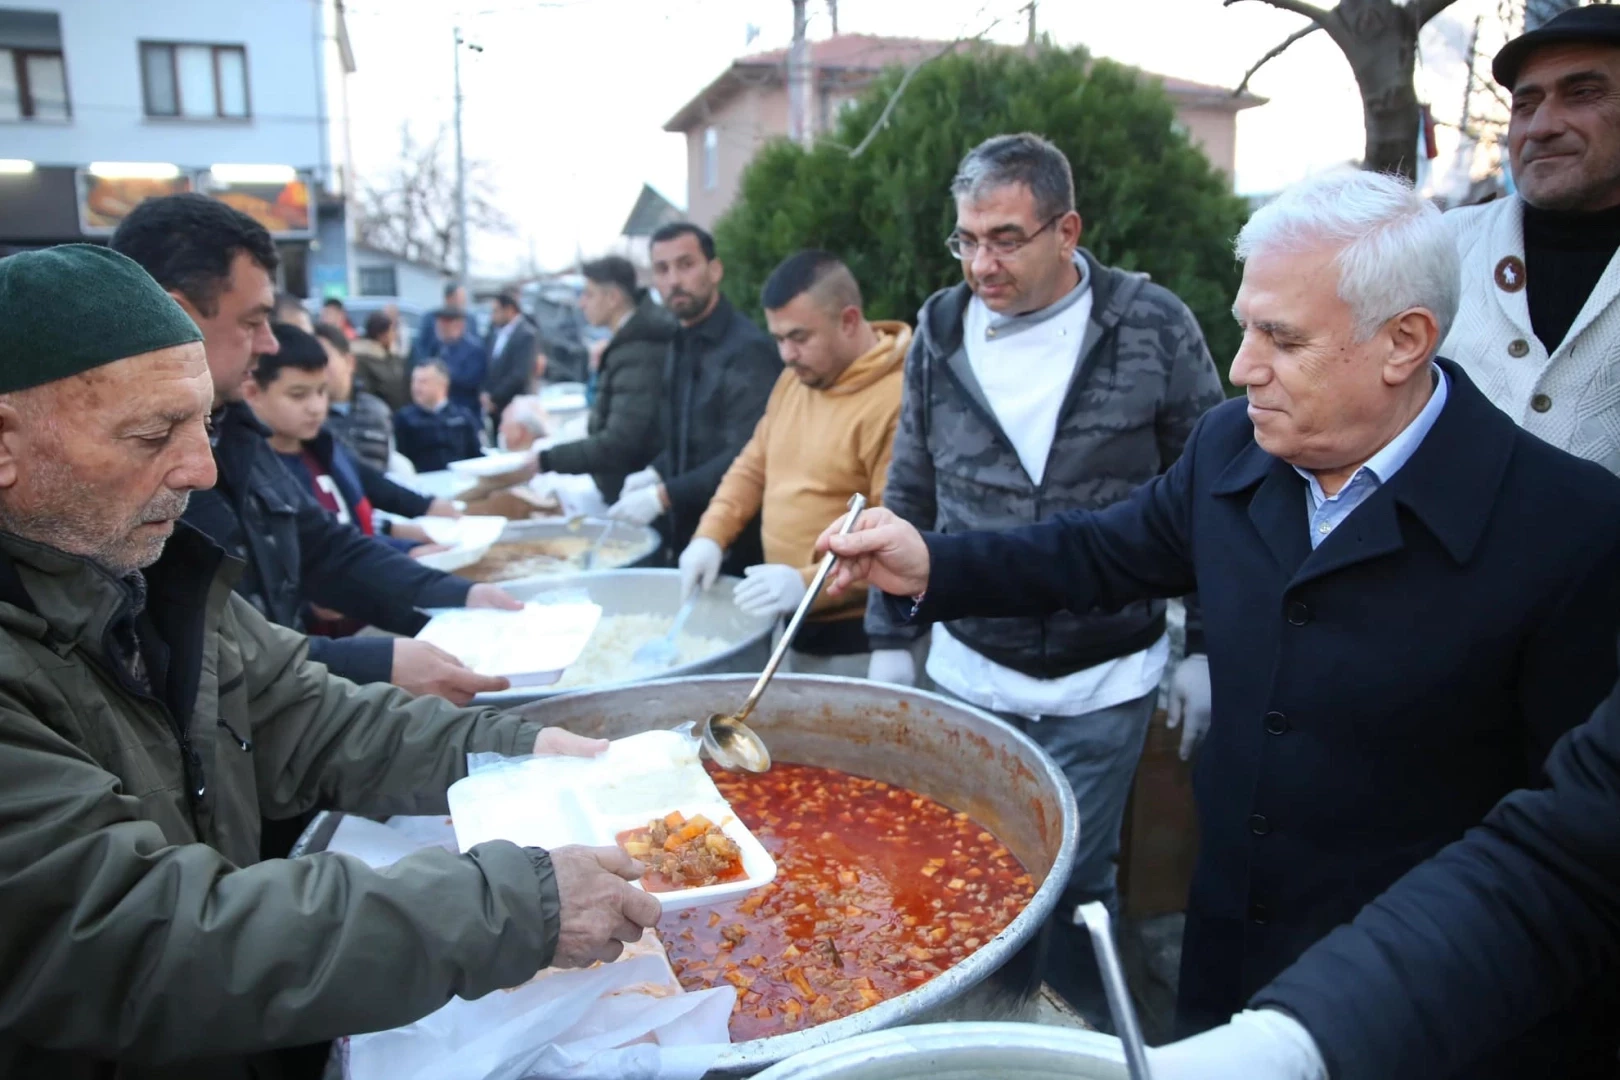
column 1398, row 553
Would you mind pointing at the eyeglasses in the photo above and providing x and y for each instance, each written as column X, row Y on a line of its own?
column 963, row 248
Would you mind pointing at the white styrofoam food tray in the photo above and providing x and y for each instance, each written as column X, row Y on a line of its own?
column 468, row 538
column 492, row 464
column 554, row 801
column 758, row 866
column 532, row 646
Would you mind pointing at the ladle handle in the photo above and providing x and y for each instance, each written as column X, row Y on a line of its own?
column 1095, row 917
column 857, row 503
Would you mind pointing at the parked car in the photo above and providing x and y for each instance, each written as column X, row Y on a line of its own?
column 565, row 336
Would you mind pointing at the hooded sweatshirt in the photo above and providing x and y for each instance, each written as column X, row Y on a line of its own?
column 811, row 451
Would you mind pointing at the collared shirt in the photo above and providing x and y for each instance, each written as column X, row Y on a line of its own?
column 1327, row 512
column 1024, row 364
column 503, row 335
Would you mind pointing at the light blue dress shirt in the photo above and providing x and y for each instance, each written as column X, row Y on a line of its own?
column 1327, row 512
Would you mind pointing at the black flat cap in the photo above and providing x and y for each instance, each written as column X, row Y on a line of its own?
column 1597, row 25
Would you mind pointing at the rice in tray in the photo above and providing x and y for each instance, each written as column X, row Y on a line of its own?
column 607, row 656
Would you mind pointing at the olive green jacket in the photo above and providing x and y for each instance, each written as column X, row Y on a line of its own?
column 137, row 937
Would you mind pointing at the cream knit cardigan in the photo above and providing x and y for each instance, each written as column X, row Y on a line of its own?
column 1570, row 398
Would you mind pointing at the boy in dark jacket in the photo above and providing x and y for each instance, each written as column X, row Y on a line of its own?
column 360, row 419
column 288, row 393
column 433, row 431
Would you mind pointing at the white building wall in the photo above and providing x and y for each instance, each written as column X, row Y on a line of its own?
column 100, row 45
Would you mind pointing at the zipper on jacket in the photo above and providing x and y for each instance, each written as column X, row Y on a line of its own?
column 247, row 747
column 191, row 761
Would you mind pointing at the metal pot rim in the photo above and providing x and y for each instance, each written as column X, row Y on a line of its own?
column 505, row 699
column 901, row 1042
column 743, row 1058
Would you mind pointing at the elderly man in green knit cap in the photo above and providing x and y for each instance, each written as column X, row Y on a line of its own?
column 149, row 716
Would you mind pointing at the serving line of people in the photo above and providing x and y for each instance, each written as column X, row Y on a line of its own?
column 149, row 715
column 1407, row 598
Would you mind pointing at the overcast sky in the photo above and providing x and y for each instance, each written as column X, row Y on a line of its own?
column 568, row 98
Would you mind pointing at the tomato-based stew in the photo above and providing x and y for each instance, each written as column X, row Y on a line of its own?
column 878, row 889
column 683, row 854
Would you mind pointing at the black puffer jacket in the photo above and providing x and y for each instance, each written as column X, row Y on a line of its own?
column 717, row 379
column 297, row 552
column 366, row 427
column 624, row 431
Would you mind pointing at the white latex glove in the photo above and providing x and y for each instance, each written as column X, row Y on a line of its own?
column 700, row 565
column 640, row 507
column 1190, row 702
column 769, row 589
column 1260, row 1044
column 896, row 666
column 646, row 478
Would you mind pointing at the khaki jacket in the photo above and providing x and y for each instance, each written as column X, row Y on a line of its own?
column 140, row 940
column 811, row 451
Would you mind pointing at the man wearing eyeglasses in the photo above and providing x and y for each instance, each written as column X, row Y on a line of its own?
column 1046, row 382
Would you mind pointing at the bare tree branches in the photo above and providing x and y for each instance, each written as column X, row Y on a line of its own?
column 410, row 212
column 1424, row 10
column 1298, row 7
column 894, row 98
column 1276, row 51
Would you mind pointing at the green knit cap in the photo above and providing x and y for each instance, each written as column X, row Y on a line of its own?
column 67, row 309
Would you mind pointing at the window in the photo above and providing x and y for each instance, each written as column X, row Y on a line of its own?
column 378, row 281
column 196, row 82
column 33, row 76
column 711, row 158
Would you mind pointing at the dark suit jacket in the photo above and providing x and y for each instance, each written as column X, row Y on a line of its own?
column 512, row 372
column 1476, row 944
column 1373, row 698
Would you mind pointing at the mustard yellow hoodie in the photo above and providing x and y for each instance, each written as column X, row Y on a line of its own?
column 812, row 450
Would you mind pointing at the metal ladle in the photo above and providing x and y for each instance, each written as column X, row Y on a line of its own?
column 729, row 741
column 1094, row 916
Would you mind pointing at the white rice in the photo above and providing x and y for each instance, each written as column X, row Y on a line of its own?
column 607, row 656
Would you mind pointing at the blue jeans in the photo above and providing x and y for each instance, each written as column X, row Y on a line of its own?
column 1098, row 752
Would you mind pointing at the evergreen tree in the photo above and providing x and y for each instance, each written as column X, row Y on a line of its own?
column 1149, row 199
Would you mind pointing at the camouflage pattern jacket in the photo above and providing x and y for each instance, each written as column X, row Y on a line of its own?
column 1143, row 379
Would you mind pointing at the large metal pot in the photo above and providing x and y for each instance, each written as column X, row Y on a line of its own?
column 961, row 1051
column 645, row 542
column 649, row 592
column 959, row 755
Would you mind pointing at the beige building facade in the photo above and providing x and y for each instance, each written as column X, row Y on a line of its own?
column 747, row 105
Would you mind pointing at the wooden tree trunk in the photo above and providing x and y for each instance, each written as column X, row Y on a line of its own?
column 1380, row 41
column 1379, row 38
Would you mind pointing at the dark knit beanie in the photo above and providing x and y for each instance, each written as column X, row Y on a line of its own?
column 67, row 309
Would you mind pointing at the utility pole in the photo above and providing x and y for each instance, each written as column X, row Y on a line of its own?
column 461, row 171
column 1030, row 9
column 799, row 79
column 832, row 15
